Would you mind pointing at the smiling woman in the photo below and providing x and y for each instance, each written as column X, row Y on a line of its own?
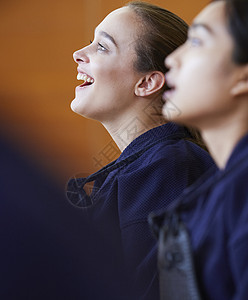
column 112, row 92
column 123, row 80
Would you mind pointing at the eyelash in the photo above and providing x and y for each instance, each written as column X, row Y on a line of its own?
column 100, row 47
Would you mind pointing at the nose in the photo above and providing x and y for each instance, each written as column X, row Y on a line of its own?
column 169, row 61
column 80, row 56
column 173, row 59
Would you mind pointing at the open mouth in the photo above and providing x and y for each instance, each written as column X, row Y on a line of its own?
column 169, row 90
column 87, row 80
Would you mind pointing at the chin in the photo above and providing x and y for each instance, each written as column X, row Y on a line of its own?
column 77, row 107
column 81, row 110
column 73, row 106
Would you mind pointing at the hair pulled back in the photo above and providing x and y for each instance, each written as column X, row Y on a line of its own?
column 161, row 33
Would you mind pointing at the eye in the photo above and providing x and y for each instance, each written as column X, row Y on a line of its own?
column 194, row 41
column 100, row 47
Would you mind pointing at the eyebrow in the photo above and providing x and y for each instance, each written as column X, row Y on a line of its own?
column 201, row 25
column 105, row 34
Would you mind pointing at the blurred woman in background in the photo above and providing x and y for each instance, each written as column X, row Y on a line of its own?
column 208, row 78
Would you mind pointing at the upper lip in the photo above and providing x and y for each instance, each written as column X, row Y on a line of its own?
column 169, row 81
column 82, row 72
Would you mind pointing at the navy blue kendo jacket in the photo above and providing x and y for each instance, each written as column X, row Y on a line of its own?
column 215, row 211
column 150, row 173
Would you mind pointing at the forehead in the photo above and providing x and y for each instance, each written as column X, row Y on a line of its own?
column 122, row 24
column 213, row 16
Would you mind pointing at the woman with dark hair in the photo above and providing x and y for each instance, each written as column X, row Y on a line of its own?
column 209, row 83
column 123, row 80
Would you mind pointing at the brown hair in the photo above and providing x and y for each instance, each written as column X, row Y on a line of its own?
column 161, row 33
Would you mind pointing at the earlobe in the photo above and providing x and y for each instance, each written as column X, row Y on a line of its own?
column 241, row 86
column 149, row 84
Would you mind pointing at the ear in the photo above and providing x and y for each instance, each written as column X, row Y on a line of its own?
column 149, row 84
column 241, row 86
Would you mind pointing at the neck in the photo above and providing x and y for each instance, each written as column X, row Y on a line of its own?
column 124, row 131
column 221, row 141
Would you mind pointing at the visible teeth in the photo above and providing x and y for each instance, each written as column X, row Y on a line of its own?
column 78, row 76
column 84, row 77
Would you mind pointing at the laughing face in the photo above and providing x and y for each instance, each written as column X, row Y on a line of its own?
column 106, row 69
column 202, row 73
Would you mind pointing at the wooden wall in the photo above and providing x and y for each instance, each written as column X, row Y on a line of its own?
column 38, row 78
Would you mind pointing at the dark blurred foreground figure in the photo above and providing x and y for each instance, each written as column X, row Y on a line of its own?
column 47, row 250
column 209, row 80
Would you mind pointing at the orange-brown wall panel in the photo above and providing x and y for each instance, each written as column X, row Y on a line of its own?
column 38, row 78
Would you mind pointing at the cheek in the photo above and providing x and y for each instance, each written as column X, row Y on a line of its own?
column 115, row 81
column 193, row 84
column 196, row 71
column 204, row 93
column 204, row 76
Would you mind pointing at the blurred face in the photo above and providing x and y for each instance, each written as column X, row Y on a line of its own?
column 106, row 68
column 202, row 72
